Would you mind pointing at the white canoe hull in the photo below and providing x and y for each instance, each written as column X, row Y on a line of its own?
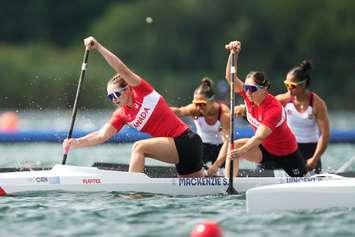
column 91, row 179
column 301, row 196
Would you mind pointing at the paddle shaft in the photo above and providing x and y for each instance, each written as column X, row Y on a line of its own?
column 75, row 107
column 231, row 189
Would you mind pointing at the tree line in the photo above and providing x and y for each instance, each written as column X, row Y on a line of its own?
column 173, row 44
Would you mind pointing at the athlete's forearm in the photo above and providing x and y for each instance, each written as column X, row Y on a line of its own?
column 97, row 137
column 176, row 110
column 321, row 146
column 260, row 134
column 324, row 128
column 90, row 139
column 118, row 65
column 221, row 155
column 250, row 144
column 183, row 111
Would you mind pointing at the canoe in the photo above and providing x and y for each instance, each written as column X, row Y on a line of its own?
column 93, row 179
column 302, row 196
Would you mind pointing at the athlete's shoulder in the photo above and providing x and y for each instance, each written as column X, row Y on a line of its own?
column 283, row 98
column 119, row 112
column 317, row 98
column 118, row 118
column 143, row 84
column 319, row 103
column 224, row 107
column 272, row 107
column 271, row 101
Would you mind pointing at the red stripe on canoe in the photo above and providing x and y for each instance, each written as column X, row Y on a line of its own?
column 2, row 192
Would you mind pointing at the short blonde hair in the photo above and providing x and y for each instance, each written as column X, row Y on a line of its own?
column 117, row 80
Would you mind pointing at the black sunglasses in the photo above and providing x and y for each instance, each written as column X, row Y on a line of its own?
column 251, row 88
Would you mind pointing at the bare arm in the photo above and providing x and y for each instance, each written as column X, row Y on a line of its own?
column 212, row 170
column 188, row 110
column 92, row 139
column 129, row 76
column 223, row 151
column 324, row 127
column 260, row 134
column 283, row 98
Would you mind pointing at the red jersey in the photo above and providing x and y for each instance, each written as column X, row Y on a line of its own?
column 149, row 113
column 271, row 114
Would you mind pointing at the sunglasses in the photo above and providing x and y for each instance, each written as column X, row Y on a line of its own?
column 116, row 94
column 293, row 85
column 251, row 88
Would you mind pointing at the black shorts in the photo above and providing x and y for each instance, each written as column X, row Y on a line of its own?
column 210, row 152
column 293, row 164
column 189, row 148
column 307, row 150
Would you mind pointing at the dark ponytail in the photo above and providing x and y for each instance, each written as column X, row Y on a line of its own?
column 301, row 72
column 205, row 88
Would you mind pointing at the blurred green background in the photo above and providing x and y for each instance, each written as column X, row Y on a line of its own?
column 41, row 46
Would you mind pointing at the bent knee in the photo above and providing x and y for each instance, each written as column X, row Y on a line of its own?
column 140, row 147
column 137, row 146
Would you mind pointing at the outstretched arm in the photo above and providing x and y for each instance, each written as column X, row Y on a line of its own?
column 129, row 76
column 92, row 139
column 283, row 98
column 260, row 134
column 188, row 110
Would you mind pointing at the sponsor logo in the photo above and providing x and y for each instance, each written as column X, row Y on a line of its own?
column 40, row 179
column 303, row 179
column 43, row 179
column 203, row 181
column 91, row 181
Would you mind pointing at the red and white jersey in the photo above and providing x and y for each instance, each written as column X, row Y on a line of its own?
column 149, row 113
column 271, row 114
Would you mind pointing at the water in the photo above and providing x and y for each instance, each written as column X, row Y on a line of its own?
column 94, row 119
column 128, row 214
column 122, row 214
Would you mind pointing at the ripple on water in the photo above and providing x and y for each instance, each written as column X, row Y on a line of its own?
column 132, row 214
column 115, row 214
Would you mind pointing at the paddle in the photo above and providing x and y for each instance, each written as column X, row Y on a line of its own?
column 231, row 189
column 346, row 165
column 75, row 107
